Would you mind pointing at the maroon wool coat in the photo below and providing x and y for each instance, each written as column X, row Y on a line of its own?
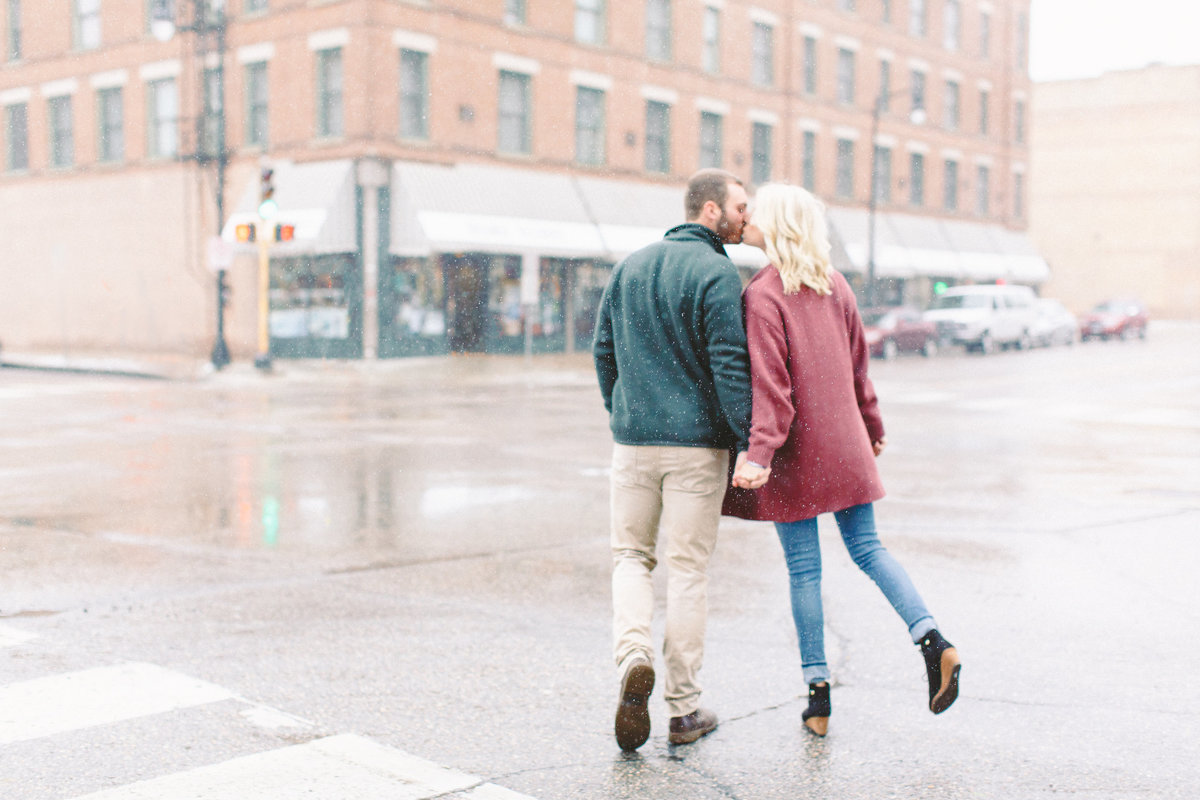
column 815, row 411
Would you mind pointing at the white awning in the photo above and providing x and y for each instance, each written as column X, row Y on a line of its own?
column 932, row 254
column 978, row 254
column 488, row 209
column 315, row 197
column 1023, row 262
column 852, row 226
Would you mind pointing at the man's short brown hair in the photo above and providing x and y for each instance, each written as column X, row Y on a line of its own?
column 707, row 184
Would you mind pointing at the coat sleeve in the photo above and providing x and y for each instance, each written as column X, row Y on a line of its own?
column 774, row 411
column 864, row 390
column 725, row 340
column 603, row 350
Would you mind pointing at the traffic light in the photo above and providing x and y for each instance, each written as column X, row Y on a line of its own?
column 285, row 233
column 267, row 206
column 245, row 232
column 939, row 287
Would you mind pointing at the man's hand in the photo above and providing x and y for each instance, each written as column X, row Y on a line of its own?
column 747, row 475
column 879, row 445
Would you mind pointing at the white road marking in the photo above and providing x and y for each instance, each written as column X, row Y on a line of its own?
column 59, row 703
column 10, row 636
column 343, row 767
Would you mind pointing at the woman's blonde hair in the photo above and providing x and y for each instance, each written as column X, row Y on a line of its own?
column 797, row 236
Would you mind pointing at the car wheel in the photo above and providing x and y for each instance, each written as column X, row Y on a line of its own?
column 1025, row 343
column 987, row 345
column 1126, row 333
column 890, row 349
column 930, row 348
column 1142, row 332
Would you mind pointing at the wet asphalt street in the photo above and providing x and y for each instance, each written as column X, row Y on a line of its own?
column 414, row 555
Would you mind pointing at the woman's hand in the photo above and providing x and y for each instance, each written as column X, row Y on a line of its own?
column 747, row 475
column 878, row 446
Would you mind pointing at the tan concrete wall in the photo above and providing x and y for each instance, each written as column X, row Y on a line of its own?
column 1116, row 200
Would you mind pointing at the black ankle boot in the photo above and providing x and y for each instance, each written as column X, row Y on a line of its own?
column 816, row 716
column 942, row 666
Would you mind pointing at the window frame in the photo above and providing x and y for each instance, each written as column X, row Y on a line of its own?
column 11, row 163
column 712, row 144
column 414, row 100
column 157, row 124
column 595, row 11
column 711, row 38
column 844, row 170
column 950, row 185
column 60, row 125
column 846, row 78
column 761, row 155
column 590, row 126
column 660, row 136
column 330, row 93
column 521, row 118
column 762, row 54
column 110, row 133
column 255, row 74
column 659, row 30
column 916, row 179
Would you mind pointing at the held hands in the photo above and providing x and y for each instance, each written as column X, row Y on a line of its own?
column 878, row 446
column 747, row 475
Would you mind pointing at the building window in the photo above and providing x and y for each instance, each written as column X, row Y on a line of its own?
column 885, row 86
column 808, row 164
column 514, row 12
column 658, row 137
column 810, row 65
column 917, row 23
column 16, row 137
column 329, row 92
column 13, row 37
column 589, row 21
column 85, row 24
column 917, row 90
column 514, row 129
column 882, row 182
column 1018, row 195
column 985, row 35
column 916, row 179
column 1019, row 122
column 982, row 189
column 845, row 169
column 951, row 25
column 589, row 126
column 846, row 5
column 414, row 94
column 163, row 116
column 845, row 76
column 760, row 149
column 887, row 11
column 1022, row 41
column 712, row 40
column 762, row 55
column 658, row 30
column 950, row 186
column 256, row 104
column 212, row 134
column 62, row 131
column 710, row 139
column 110, row 124
column 950, row 106
column 984, row 98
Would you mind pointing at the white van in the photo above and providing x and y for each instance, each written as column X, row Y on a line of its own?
column 984, row 317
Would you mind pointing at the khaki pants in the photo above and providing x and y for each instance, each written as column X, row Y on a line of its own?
column 676, row 491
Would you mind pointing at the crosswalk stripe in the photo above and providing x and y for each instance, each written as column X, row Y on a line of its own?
column 10, row 636
column 342, row 766
column 58, row 703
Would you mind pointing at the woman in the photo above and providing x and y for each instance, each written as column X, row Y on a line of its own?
column 815, row 433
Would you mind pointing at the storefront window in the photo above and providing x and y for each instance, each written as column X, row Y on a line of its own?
column 506, row 313
column 590, row 279
column 314, row 307
column 413, row 309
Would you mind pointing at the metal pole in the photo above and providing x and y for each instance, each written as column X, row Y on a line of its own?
column 263, row 359
column 220, row 351
column 872, row 203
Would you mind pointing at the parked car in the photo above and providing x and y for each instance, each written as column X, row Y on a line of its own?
column 891, row 331
column 1053, row 324
column 1114, row 318
column 984, row 317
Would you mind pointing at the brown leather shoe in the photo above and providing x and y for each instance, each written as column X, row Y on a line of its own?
column 633, row 714
column 690, row 727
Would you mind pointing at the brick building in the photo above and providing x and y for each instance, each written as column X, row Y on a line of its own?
column 462, row 174
column 1117, row 201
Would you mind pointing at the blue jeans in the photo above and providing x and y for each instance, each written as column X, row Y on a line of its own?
column 803, row 553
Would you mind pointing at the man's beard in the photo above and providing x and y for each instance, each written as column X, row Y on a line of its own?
column 726, row 231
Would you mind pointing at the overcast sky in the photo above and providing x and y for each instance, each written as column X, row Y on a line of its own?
column 1082, row 38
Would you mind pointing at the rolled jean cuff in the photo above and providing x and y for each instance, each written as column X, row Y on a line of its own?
column 816, row 673
column 921, row 627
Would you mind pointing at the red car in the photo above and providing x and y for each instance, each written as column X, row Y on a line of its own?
column 1122, row 319
column 891, row 331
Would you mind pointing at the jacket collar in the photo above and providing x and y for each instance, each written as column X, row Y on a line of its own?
column 694, row 230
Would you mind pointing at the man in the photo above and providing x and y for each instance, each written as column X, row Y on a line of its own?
column 670, row 353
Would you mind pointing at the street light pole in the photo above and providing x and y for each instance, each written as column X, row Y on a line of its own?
column 917, row 117
column 208, row 21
